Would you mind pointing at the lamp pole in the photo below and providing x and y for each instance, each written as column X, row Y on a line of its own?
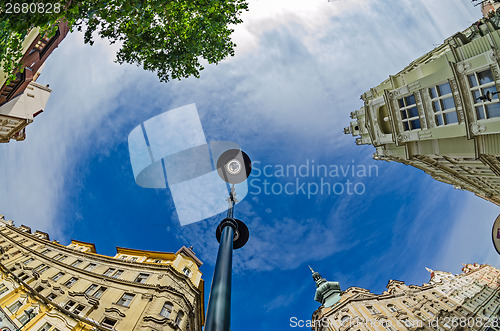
column 231, row 234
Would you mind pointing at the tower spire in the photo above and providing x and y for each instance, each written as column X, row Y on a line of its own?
column 327, row 293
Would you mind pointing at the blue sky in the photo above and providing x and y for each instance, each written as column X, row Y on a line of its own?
column 299, row 69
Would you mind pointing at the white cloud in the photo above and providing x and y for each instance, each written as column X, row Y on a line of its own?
column 469, row 238
column 85, row 84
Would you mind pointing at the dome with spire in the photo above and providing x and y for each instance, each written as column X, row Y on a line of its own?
column 327, row 293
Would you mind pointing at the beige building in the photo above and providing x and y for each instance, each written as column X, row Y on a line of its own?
column 441, row 113
column 46, row 286
column 467, row 301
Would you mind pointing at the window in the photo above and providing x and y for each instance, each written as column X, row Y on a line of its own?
column 60, row 257
column 41, row 271
column 45, row 251
column 97, row 294
column 186, row 271
column 109, row 271
column 133, row 259
column 3, row 289
column 45, row 327
column 39, row 289
column 179, row 317
column 117, row 273
column 76, row 263
column 409, row 113
column 126, row 299
column 443, row 104
column 51, row 296
column 158, row 261
column 69, row 304
column 108, row 322
column 15, row 307
column 90, row 289
column 70, row 282
column 392, row 308
column 372, row 310
column 387, row 326
column 123, row 257
column 141, row 278
column 28, row 261
column 39, row 267
column 24, row 317
column 23, row 276
column 90, row 266
column 482, row 87
column 166, row 310
column 407, row 323
column 57, row 276
column 78, row 309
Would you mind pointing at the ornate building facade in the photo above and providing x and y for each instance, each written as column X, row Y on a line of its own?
column 441, row 113
column 22, row 99
column 467, row 301
column 46, row 286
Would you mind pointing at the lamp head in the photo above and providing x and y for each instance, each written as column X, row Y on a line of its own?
column 234, row 166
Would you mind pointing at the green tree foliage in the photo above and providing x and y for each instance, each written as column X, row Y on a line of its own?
column 169, row 37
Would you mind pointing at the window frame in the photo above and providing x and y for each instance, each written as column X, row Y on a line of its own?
column 437, row 98
column 110, row 326
column 57, row 276
column 69, row 280
column 167, row 307
column 404, row 108
column 481, row 104
column 126, row 302
column 76, row 263
column 142, row 279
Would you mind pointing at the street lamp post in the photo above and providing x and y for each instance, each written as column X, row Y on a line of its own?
column 234, row 167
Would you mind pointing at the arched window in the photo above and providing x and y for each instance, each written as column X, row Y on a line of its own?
column 179, row 317
column 166, row 310
column 344, row 319
column 392, row 307
column 406, row 303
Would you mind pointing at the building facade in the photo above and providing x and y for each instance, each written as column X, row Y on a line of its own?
column 46, row 286
column 467, row 301
column 22, row 99
column 441, row 113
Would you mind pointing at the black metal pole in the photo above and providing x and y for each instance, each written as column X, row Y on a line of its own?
column 219, row 302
